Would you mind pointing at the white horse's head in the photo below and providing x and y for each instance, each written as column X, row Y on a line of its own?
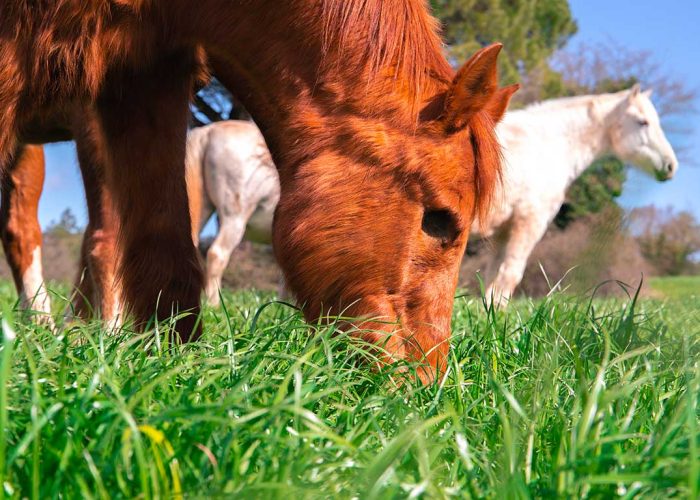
column 637, row 137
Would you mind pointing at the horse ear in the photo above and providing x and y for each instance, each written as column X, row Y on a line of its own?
column 472, row 87
column 635, row 90
column 648, row 93
column 498, row 105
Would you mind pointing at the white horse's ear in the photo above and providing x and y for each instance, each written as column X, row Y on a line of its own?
column 635, row 90
column 594, row 110
column 648, row 93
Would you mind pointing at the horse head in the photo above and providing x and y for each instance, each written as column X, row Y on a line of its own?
column 637, row 136
column 376, row 227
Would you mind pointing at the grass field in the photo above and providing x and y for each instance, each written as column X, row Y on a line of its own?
column 677, row 287
column 563, row 397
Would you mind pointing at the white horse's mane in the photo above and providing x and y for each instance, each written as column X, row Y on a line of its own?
column 564, row 103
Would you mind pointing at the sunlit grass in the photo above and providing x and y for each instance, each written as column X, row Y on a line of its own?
column 677, row 287
column 561, row 397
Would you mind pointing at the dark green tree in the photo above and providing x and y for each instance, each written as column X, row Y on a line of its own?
column 531, row 31
column 534, row 32
column 594, row 191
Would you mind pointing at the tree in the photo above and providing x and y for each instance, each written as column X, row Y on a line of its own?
column 535, row 34
column 67, row 224
column 593, row 192
column 596, row 189
column 214, row 103
column 531, row 31
column 606, row 67
column 669, row 240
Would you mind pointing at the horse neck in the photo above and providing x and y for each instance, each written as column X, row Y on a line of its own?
column 585, row 122
column 297, row 89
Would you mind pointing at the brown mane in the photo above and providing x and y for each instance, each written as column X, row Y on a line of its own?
column 402, row 35
column 487, row 163
column 405, row 37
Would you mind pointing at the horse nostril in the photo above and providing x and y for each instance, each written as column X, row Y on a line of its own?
column 669, row 167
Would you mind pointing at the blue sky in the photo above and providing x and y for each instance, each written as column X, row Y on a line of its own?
column 668, row 29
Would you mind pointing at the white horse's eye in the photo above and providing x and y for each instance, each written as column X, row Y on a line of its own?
column 642, row 122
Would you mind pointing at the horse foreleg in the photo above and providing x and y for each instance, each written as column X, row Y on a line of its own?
column 22, row 184
column 97, row 289
column 524, row 235
column 143, row 119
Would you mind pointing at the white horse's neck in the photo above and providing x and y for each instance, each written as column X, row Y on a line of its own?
column 585, row 122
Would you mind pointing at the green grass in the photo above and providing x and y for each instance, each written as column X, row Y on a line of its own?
column 557, row 398
column 677, row 287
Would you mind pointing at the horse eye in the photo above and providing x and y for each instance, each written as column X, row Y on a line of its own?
column 440, row 224
column 643, row 122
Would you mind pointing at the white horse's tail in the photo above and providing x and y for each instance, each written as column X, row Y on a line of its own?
column 194, row 175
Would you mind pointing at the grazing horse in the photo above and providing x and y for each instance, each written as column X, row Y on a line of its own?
column 546, row 147
column 230, row 171
column 385, row 154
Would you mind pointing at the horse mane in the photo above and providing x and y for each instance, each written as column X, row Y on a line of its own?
column 488, row 160
column 401, row 35
column 573, row 102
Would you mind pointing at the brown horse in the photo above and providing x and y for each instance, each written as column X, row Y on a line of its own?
column 385, row 155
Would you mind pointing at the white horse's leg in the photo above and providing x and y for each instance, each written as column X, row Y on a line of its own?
column 283, row 292
column 227, row 239
column 525, row 233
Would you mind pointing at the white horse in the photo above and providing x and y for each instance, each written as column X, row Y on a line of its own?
column 546, row 147
column 230, row 171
